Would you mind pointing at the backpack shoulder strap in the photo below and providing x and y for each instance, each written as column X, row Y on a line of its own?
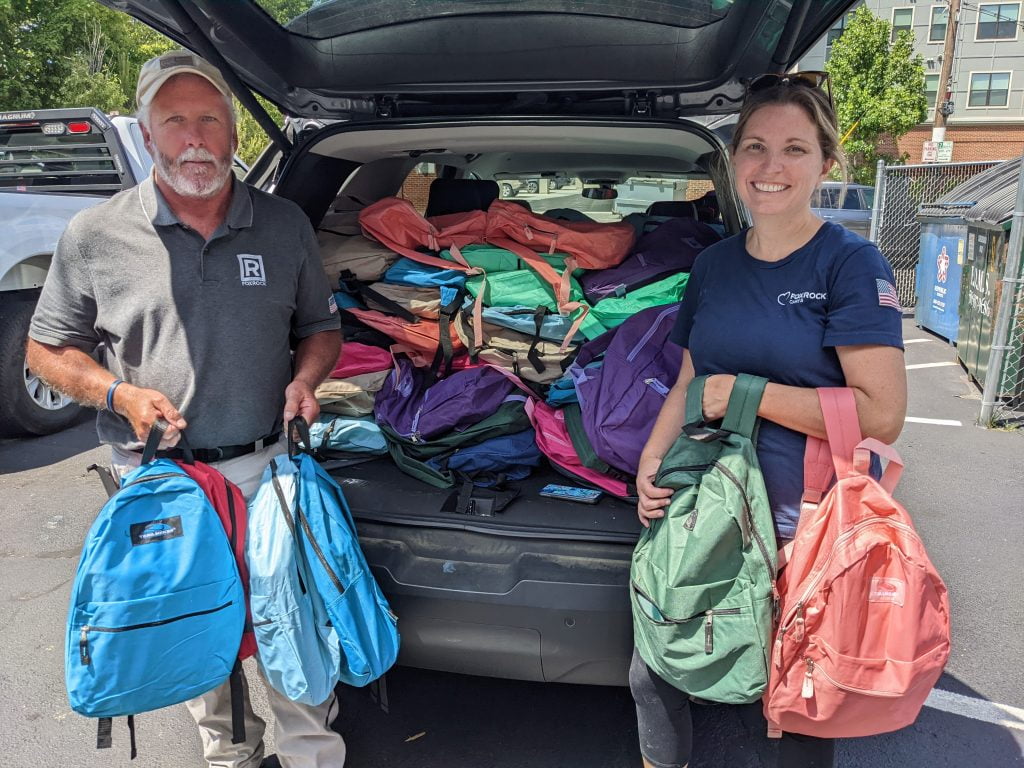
column 839, row 409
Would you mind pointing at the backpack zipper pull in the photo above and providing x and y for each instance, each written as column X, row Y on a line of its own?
column 709, row 632
column 798, row 630
column 83, row 646
column 528, row 231
column 807, row 690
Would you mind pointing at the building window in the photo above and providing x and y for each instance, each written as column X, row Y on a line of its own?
column 902, row 19
column 834, row 34
column 998, row 21
column 937, row 26
column 931, row 89
column 989, row 89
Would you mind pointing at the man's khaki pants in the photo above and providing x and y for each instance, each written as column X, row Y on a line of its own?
column 302, row 733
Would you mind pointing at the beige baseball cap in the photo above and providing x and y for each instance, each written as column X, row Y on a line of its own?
column 156, row 72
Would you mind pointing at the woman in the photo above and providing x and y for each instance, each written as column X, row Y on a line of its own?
column 798, row 301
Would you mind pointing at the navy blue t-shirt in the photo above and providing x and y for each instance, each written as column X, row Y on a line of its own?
column 782, row 320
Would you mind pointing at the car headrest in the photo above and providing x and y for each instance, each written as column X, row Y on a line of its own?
column 460, row 195
column 678, row 209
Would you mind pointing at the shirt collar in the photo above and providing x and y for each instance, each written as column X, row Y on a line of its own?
column 239, row 215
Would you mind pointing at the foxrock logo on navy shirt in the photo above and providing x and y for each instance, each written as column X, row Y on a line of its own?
column 799, row 297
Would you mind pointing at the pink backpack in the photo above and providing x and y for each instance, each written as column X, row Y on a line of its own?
column 594, row 245
column 356, row 359
column 863, row 633
column 394, row 222
column 554, row 442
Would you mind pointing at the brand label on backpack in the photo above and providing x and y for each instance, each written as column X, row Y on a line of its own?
column 152, row 531
column 885, row 590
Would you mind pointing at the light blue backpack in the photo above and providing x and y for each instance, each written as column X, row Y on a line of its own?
column 157, row 607
column 337, row 579
column 347, row 434
column 299, row 651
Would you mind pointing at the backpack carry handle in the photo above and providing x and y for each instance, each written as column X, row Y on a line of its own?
column 156, row 434
column 740, row 416
column 303, row 443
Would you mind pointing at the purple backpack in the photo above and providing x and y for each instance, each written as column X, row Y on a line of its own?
column 621, row 399
column 416, row 407
column 670, row 248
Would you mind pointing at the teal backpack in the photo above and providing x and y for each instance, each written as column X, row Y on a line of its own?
column 702, row 579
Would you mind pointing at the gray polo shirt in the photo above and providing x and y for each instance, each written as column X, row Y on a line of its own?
column 205, row 322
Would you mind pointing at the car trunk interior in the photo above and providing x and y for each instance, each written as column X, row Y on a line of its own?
column 342, row 168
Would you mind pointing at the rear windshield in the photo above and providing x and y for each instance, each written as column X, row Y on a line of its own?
column 329, row 18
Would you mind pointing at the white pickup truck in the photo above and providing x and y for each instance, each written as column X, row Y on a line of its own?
column 53, row 163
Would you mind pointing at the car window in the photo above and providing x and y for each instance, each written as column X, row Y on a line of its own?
column 327, row 18
column 852, row 201
column 869, row 197
column 416, row 187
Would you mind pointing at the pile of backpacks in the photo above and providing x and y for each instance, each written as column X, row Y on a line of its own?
column 477, row 336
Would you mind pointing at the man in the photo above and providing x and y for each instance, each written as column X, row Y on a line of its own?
column 195, row 284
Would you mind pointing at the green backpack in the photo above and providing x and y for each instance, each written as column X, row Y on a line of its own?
column 702, row 579
column 492, row 259
column 615, row 310
column 524, row 287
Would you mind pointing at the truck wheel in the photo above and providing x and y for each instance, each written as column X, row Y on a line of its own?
column 27, row 405
column 532, row 187
column 507, row 190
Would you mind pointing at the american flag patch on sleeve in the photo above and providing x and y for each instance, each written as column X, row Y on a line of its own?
column 887, row 296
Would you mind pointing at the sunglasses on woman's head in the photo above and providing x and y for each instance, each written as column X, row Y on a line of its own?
column 796, row 79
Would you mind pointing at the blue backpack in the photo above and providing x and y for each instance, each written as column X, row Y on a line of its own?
column 299, row 652
column 365, row 626
column 157, row 607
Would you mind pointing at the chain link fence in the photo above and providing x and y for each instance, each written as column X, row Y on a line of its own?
column 1009, row 404
column 899, row 192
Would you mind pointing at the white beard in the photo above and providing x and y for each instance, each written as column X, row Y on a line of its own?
column 193, row 181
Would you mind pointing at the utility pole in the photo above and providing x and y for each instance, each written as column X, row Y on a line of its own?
column 944, row 94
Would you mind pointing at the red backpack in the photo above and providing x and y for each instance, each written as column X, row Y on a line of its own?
column 232, row 510
column 863, row 633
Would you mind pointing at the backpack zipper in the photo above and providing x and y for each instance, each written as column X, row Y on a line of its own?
column 657, row 386
column 709, row 625
column 316, row 548
column 749, row 519
column 83, row 640
column 650, row 332
column 807, row 689
column 151, row 478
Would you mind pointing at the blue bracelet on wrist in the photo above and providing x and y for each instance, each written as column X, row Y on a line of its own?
column 110, row 394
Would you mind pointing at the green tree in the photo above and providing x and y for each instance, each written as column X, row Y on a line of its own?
column 78, row 53
column 878, row 86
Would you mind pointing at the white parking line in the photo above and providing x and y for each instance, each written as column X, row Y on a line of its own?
column 977, row 709
column 915, row 341
column 939, row 422
column 930, row 365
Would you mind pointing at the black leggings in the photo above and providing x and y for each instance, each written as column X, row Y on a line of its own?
column 666, row 730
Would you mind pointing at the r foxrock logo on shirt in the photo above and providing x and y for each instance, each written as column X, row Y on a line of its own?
column 250, row 267
column 789, row 297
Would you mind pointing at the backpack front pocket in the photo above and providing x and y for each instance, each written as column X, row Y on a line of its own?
column 714, row 651
column 136, row 655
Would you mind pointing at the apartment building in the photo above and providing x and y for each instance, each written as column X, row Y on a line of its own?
column 987, row 122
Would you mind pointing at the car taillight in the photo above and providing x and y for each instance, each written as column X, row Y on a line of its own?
column 79, row 127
